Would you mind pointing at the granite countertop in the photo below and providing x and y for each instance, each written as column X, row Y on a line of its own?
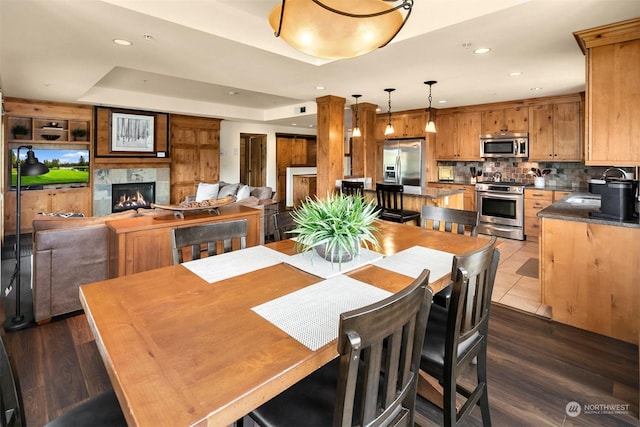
column 582, row 213
column 549, row 187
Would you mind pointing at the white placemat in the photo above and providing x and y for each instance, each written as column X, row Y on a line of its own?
column 313, row 263
column 230, row 264
column 311, row 315
column 412, row 261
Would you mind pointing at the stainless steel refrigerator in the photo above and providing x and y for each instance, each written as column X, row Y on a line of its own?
column 404, row 162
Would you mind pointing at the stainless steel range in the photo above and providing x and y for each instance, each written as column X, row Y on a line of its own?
column 501, row 208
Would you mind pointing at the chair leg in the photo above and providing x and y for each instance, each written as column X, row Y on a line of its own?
column 482, row 378
column 449, row 402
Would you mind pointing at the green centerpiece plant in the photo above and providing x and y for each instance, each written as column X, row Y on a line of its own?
column 335, row 227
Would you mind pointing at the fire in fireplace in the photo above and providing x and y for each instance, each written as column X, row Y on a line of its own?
column 132, row 195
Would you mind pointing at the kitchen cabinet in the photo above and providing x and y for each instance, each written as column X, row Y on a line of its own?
column 36, row 201
column 505, row 120
column 405, row 125
column 589, row 276
column 611, row 99
column 536, row 199
column 195, row 154
column 555, row 132
column 458, row 136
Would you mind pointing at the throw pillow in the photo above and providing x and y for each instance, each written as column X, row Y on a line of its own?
column 243, row 192
column 262, row 192
column 207, row 191
column 228, row 190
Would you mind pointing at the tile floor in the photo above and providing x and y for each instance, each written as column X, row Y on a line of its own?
column 516, row 290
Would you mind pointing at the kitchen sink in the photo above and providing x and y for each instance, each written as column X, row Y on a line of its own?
column 583, row 200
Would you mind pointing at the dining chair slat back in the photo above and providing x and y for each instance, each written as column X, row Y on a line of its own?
column 213, row 238
column 374, row 381
column 390, row 203
column 449, row 220
column 457, row 336
column 352, row 188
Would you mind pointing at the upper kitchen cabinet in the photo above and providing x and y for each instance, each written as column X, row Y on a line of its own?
column 458, row 136
column 408, row 124
column 505, row 120
column 555, row 132
column 612, row 110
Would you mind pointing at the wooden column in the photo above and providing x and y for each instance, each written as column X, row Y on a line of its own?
column 330, row 148
column 363, row 149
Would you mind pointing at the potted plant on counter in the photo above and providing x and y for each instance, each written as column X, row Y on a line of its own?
column 335, row 227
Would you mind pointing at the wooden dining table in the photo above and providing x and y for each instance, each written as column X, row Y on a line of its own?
column 181, row 351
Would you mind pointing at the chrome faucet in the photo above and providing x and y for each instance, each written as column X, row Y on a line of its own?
column 623, row 174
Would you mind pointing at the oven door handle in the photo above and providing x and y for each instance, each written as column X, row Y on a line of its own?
column 498, row 228
column 496, row 195
column 515, row 147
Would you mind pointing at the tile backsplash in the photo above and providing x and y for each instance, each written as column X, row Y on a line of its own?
column 571, row 175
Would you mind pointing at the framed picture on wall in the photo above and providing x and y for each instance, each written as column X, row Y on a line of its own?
column 132, row 133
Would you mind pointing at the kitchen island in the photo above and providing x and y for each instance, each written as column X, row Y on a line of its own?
column 589, row 271
column 415, row 198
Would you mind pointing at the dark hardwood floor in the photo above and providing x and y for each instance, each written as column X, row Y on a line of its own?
column 536, row 368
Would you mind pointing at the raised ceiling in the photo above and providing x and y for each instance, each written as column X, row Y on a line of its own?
column 219, row 58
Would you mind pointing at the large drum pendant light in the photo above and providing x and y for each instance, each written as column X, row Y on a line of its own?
column 338, row 29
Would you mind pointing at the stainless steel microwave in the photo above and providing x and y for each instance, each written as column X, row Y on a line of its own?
column 504, row 145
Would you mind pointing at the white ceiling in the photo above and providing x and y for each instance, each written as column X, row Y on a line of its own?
column 200, row 50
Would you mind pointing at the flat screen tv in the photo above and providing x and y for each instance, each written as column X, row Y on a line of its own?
column 66, row 166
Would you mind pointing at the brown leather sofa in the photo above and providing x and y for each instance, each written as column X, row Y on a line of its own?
column 67, row 253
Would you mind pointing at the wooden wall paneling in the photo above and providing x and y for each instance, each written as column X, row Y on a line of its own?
column 283, row 159
column 103, row 134
column 195, row 154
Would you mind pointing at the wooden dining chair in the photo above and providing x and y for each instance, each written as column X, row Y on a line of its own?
column 450, row 220
column 283, row 222
column 373, row 382
column 218, row 237
column 453, row 221
column 390, row 203
column 456, row 337
column 100, row 411
column 352, row 188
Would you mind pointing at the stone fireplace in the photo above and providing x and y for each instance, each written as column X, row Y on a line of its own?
column 103, row 180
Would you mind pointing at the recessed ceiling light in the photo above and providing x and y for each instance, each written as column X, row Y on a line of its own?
column 482, row 50
column 534, row 89
column 147, row 36
column 320, row 87
column 294, row 124
column 231, row 92
column 122, row 42
column 515, row 73
column 442, row 101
